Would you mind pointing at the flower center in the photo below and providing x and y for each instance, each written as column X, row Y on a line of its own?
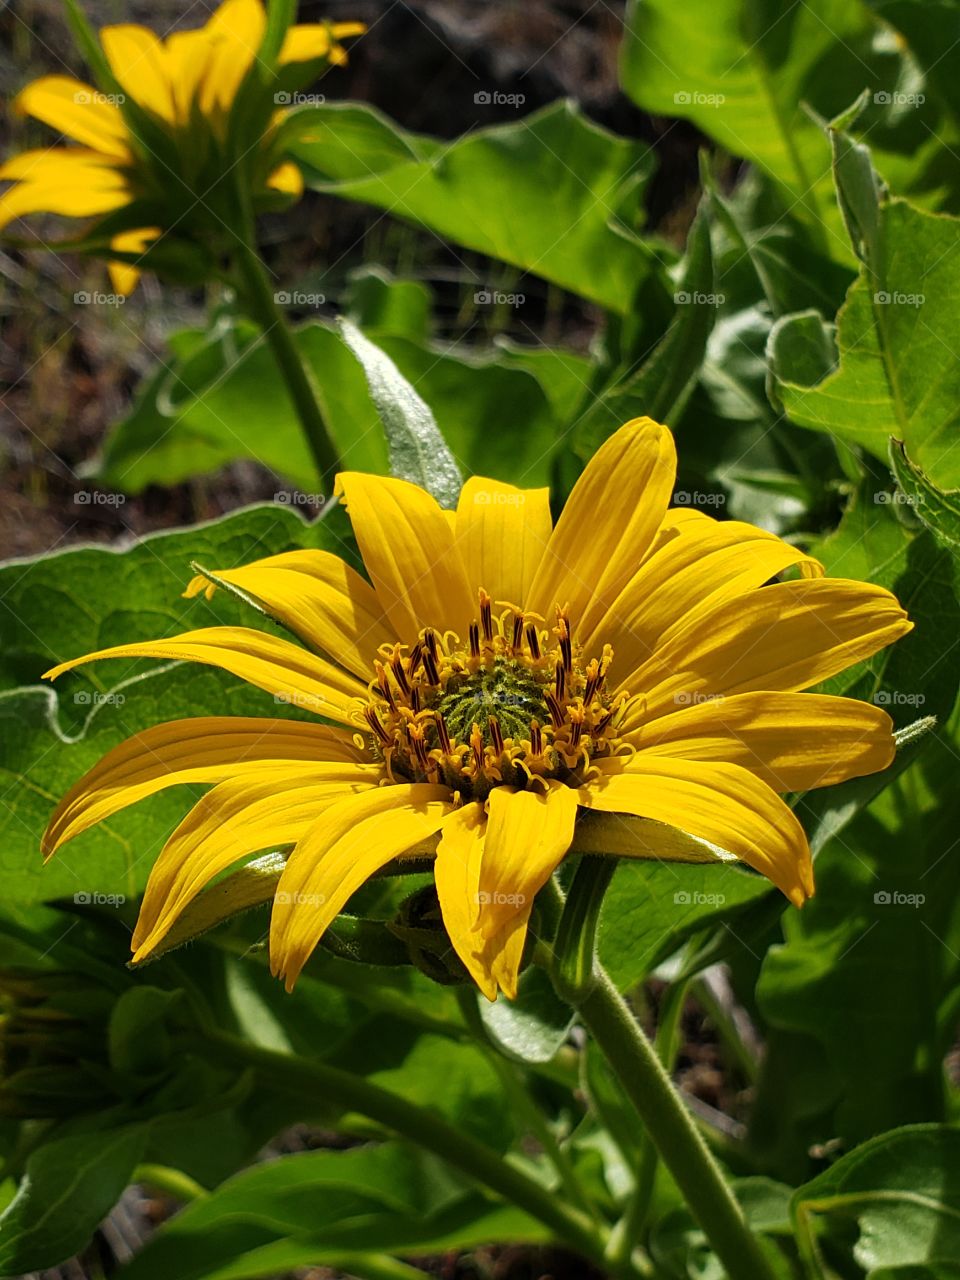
column 517, row 703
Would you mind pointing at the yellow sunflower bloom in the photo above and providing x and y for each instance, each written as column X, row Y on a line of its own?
column 152, row 153
column 495, row 677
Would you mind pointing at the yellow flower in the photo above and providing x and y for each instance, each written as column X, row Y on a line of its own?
column 153, row 152
column 496, row 676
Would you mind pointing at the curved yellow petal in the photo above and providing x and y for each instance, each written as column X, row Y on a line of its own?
column 124, row 275
column 494, row 962
column 608, row 523
column 236, row 818
column 75, row 184
column 708, row 564
column 411, row 558
column 527, row 835
column 502, row 533
column 138, row 60
column 281, row 668
column 307, row 41
column 188, row 56
column 344, row 847
column 784, row 637
column 287, row 178
column 236, row 32
column 79, row 111
column 792, row 741
column 205, row 749
column 721, row 803
column 319, row 597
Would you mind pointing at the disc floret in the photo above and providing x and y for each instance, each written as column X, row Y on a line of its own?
column 514, row 705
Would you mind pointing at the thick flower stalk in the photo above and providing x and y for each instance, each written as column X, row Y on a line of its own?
column 162, row 146
column 494, row 679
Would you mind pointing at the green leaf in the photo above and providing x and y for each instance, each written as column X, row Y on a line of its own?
column 755, row 77
column 299, row 1209
column 87, row 598
column 553, row 194
column 660, row 385
column 903, row 1191
column 533, row 1027
column 380, row 302
column 70, row 1185
column 418, row 452
column 939, row 510
column 652, row 906
column 894, row 372
column 222, row 399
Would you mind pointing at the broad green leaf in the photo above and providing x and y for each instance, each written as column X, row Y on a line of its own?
column 903, row 1191
column 939, row 510
column 755, row 76
column 652, row 906
column 87, row 598
column 659, row 385
column 224, row 399
column 70, row 1184
column 553, row 194
column 418, row 452
column 535, row 1025
column 299, row 1209
column 894, row 372
column 383, row 303
column 868, row 965
column 221, row 399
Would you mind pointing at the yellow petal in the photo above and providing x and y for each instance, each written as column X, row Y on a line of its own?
column 319, row 597
column 528, row 833
column 236, row 818
column 188, row 57
column 793, row 741
column 344, row 847
column 287, row 178
column 784, row 637
column 494, row 962
column 305, row 42
column 502, row 533
column 608, row 523
column 74, row 184
column 720, row 803
column 709, row 563
column 205, row 749
column 138, row 60
column 405, row 541
column 281, row 668
column 124, row 275
column 79, row 111
column 236, row 31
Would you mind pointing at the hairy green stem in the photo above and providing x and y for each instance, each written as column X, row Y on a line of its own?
column 424, row 1128
column 672, row 1130
column 262, row 303
column 581, row 980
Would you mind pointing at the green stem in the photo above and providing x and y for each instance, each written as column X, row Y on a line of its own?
column 424, row 1128
column 672, row 1130
column 644, row 1079
column 262, row 303
column 172, row 1182
column 371, row 1266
